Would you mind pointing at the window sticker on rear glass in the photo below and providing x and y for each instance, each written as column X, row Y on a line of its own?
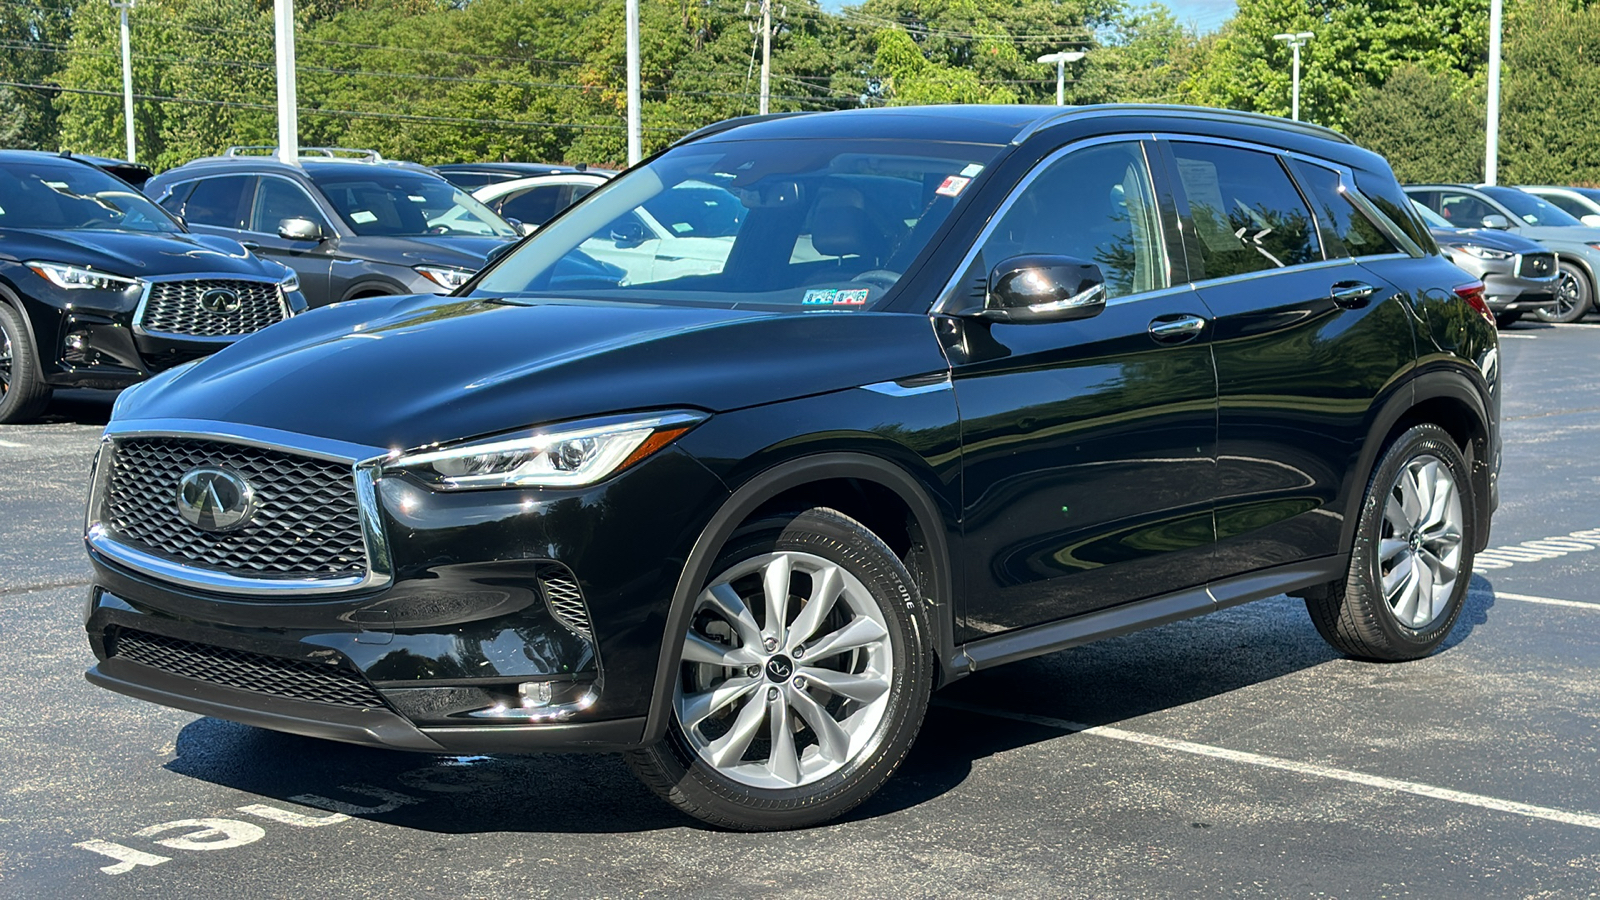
column 953, row 186
column 836, row 297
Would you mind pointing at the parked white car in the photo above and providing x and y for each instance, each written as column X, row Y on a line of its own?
column 1583, row 203
column 535, row 200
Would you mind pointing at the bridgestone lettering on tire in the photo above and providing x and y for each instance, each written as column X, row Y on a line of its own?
column 804, row 679
column 1412, row 558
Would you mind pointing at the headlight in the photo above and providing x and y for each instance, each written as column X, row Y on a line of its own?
column 76, row 278
column 571, row 455
column 445, row 276
column 291, row 283
column 1481, row 251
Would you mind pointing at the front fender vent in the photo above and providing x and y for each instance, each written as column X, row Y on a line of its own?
column 565, row 600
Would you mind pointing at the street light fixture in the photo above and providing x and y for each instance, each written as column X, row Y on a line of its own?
column 1295, row 42
column 1061, row 59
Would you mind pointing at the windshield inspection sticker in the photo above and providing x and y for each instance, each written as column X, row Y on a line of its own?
column 971, row 171
column 953, row 186
column 363, row 217
column 836, row 297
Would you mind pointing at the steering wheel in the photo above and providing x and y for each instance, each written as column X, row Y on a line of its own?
column 882, row 278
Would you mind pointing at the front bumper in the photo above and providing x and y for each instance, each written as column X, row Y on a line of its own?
column 463, row 651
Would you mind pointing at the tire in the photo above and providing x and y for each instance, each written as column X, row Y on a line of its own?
column 23, row 393
column 1418, row 512
column 1506, row 319
column 747, row 691
column 1574, row 295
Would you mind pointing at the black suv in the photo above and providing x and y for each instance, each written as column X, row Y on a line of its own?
column 99, row 287
column 966, row 385
column 351, row 226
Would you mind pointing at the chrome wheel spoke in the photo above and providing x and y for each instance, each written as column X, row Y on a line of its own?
column 825, row 588
column 727, row 603
column 1410, row 500
column 1444, row 495
column 698, row 649
column 1422, row 608
column 696, row 708
column 775, row 588
column 1399, row 577
column 859, row 633
column 1389, row 549
column 728, row 749
column 862, row 688
column 832, row 740
column 784, row 763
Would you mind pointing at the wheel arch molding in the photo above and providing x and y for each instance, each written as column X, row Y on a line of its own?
column 759, row 492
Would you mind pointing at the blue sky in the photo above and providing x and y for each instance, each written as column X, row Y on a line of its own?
column 1206, row 15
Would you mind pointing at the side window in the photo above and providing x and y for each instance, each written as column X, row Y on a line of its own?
column 536, row 205
column 277, row 200
column 220, row 202
column 1464, row 210
column 1565, row 204
column 1095, row 204
column 1395, row 204
column 1247, row 214
column 173, row 201
column 1353, row 234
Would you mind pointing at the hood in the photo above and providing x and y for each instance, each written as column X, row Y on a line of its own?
column 133, row 254
column 458, row 251
column 1560, row 234
column 1487, row 237
column 402, row 372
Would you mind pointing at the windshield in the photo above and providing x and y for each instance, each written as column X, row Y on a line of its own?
column 1529, row 208
column 58, row 193
column 397, row 203
column 823, row 224
column 1433, row 219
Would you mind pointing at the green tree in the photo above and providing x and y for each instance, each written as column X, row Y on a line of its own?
column 34, row 36
column 1549, row 132
column 1427, row 124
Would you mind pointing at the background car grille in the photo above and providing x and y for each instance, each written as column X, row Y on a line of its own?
column 173, row 307
column 1537, row 265
column 295, row 679
column 306, row 525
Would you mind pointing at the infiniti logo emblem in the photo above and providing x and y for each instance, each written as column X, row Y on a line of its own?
column 220, row 301
column 215, row 499
column 779, row 668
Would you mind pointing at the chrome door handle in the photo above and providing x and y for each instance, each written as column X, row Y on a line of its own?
column 1352, row 294
column 1176, row 329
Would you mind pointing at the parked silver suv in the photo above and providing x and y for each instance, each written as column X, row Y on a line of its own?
column 1519, row 276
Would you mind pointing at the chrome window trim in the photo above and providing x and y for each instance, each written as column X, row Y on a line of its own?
column 363, row 460
column 948, row 296
column 150, row 281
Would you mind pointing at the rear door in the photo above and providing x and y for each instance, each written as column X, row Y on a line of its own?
column 1307, row 340
column 1088, row 446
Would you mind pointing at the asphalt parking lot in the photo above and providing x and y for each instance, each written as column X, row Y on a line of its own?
column 1229, row 755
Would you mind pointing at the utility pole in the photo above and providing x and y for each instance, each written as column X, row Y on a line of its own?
column 127, row 75
column 1295, row 42
column 1491, row 150
column 288, row 111
column 1061, row 59
column 635, row 144
column 766, row 54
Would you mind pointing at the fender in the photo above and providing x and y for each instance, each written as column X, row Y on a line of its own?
column 746, row 500
column 376, row 289
column 1460, row 383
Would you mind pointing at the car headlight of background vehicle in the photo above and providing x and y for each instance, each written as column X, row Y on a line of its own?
column 570, row 455
column 446, row 277
column 77, row 278
column 1480, row 251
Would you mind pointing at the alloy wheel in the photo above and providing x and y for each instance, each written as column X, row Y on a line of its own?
column 1419, row 550
column 787, row 669
column 5, row 362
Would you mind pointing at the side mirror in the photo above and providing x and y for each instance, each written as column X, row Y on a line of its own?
column 628, row 234
column 1026, row 289
column 1591, row 220
column 300, row 230
column 1496, row 221
column 498, row 253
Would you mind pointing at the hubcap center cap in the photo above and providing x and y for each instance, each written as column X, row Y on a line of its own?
column 779, row 668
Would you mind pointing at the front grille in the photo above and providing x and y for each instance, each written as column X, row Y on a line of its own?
column 295, row 679
column 174, row 307
column 565, row 601
column 1537, row 265
column 306, row 523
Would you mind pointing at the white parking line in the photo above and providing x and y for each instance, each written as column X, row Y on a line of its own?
column 1527, row 598
column 13, row 445
column 1525, row 337
column 1586, row 820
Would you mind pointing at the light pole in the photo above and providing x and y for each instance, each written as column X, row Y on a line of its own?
column 127, row 75
column 635, row 141
column 1295, row 42
column 288, row 109
column 1491, row 150
column 1061, row 59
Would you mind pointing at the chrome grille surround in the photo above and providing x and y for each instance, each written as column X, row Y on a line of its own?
column 1536, row 265
column 170, row 307
column 322, row 539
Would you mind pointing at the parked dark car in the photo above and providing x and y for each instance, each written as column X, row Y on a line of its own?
column 99, row 287
column 1519, row 276
column 133, row 173
column 476, row 175
column 351, row 227
column 1119, row 366
column 1577, row 246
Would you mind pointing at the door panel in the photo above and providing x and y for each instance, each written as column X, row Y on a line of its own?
column 277, row 199
column 1088, row 446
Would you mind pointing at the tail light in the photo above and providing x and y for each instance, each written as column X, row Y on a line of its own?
column 1473, row 293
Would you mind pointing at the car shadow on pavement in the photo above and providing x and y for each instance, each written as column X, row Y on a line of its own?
column 79, row 407
column 1106, row 682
